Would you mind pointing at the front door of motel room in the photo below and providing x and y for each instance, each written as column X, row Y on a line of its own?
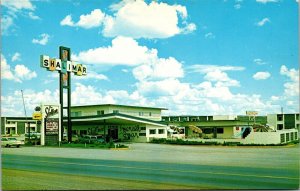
column 113, row 133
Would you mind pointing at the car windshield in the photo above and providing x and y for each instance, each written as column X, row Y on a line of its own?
column 12, row 139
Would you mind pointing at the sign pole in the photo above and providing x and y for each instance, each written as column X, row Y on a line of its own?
column 65, row 67
column 65, row 55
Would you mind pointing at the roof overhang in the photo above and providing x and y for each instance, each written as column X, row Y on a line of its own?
column 113, row 118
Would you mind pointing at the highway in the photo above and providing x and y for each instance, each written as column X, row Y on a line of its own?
column 195, row 176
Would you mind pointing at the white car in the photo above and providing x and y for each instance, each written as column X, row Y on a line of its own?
column 11, row 141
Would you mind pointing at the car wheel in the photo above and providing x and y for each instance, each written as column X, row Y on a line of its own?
column 18, row 146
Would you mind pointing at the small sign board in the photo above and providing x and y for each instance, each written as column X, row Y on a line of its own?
column 51, row 126
column 37, row 116
column 251, row 113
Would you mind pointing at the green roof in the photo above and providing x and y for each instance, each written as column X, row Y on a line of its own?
column 117, row 115
column 78, row 106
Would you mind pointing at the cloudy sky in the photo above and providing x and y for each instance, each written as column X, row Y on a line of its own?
column 193, row 57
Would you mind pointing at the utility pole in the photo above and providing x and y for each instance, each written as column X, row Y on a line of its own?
column 28, row 126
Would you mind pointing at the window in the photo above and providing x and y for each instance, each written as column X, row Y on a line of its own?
column 279, row 126
column 282, row 138
column 143, row 128
column 220, row 130
column 101, row 112
column 141, row 113
column 150, row 114
column 142, row 134
column 296, row 136
column 152, row 131
column 292, row 136
column 287, row 137
column 279, row 117
column 161, row 131
column 207, row 131
column 297, row 117
column 115, row 111
column 76, row 114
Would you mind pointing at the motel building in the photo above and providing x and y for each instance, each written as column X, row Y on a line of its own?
column 142, row 124
column 270, row 129
column 118, row 122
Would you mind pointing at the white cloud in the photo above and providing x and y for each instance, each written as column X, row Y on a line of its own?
column 263, row 22
column 94, row 19
column 261, row 75
column 126, row 51
column 259, row 61
column 159, row 69
column 138, row 19
column 267, row 1
column 67, row 21
column 11, row 104
column 275, row 98
column 18, row 74
column 292, row 86
column 33, row 16
column 123, row 51
column 6, row 72
column 17, row 5
column 210, row 68
column 23, row 73
column 215, row 73
column 6, row 23
column 16, row 57
column 43, row 39
column 92, row 75
column 210, row 35
column 237, row 6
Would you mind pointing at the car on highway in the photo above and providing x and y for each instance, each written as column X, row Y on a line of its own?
column 11, row 141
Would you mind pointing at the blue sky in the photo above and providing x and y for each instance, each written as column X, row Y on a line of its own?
column 193, row 57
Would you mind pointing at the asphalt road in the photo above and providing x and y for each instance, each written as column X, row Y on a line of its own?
column 196, row 175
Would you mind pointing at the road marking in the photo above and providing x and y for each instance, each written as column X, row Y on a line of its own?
column 159, row 169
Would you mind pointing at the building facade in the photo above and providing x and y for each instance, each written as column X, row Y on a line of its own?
column 217, row 126
column 284, row 121
column 119, row 122
column 18, row 125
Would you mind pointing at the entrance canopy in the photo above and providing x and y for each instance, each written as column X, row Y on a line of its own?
column 112, row 118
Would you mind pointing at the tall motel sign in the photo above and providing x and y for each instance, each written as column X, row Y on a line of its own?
column 65, row 67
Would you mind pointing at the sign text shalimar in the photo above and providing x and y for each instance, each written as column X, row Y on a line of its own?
column 65, row 66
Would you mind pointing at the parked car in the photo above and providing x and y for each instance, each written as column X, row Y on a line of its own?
column 75, row 138
column 11, row 141
column 91, row 139
column 33, row 135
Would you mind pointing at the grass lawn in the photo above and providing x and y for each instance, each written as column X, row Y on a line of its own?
column 28, row 180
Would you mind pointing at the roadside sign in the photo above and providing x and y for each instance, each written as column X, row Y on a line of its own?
column 37, row 116
column 251, row 113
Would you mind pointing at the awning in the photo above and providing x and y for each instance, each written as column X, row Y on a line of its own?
column 195, row 129
column 115, row 118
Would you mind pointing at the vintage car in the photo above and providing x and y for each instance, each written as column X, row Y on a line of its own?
column 11, row 141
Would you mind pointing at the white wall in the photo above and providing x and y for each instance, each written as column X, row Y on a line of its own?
column 156, row 135
column 267, row 137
